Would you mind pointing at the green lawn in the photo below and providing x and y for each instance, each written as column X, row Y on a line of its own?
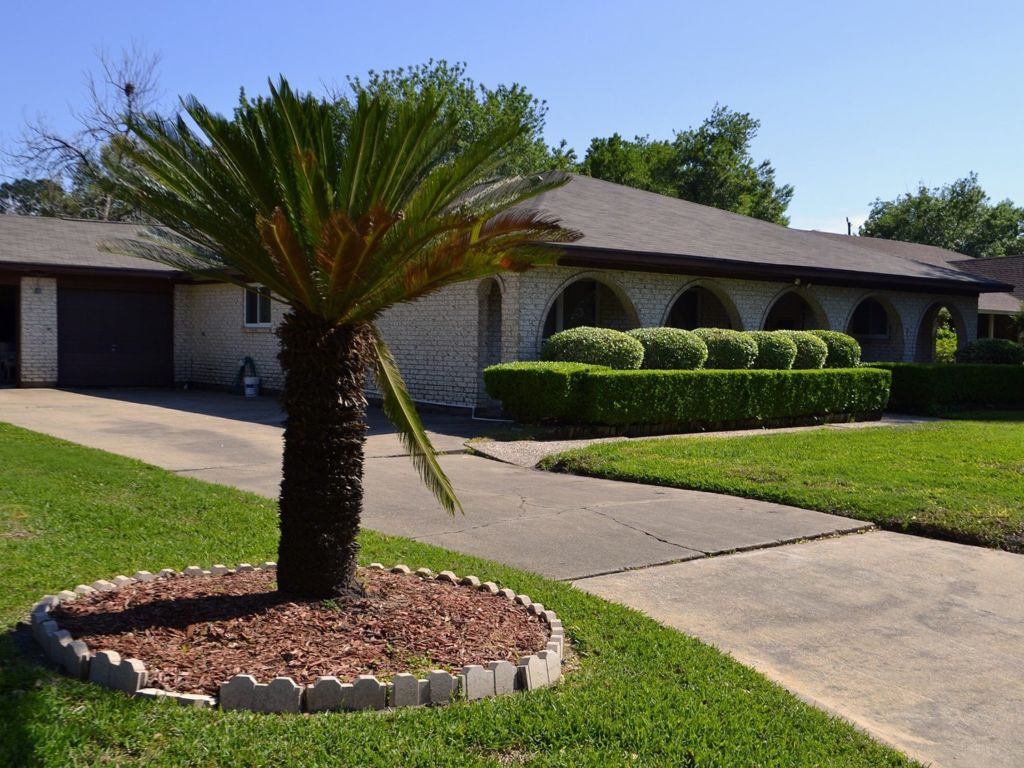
column 961, row 480
column 642, row 695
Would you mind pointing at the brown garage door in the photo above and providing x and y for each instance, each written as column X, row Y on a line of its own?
column 115, row 336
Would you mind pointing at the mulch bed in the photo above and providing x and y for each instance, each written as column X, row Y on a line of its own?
column 195, row 633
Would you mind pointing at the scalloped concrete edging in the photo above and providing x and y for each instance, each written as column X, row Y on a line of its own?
column 328, row 693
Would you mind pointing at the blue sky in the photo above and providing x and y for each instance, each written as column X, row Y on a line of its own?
column 856, row 101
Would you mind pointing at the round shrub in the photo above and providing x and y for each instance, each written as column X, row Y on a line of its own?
column 810, row 350
column 775, row 351
column 727, row 349
column 597, row 346
column 843, row 349
column 992, row 352
column 671, row 349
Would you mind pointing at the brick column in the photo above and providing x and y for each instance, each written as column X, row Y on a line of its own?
column 37, row 348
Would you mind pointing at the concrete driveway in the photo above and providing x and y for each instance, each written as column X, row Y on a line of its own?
column 920, row 642
column 557, row 525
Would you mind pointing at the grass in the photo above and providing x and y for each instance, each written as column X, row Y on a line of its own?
column 960, row 480
column 642, row 695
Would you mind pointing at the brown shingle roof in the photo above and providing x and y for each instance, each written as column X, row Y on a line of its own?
column 69, row 245
column 629, row 228
column 1006, row 269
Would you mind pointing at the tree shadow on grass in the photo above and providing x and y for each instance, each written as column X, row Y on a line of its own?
column 23, row 674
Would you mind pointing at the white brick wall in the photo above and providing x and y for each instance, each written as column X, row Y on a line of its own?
column 211, row 338
column 437, row 339
column 652, row 296
column 37, row 347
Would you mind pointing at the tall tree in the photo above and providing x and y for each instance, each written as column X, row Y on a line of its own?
column 340, row 220
column 640, row 163
column 715, row 168
column 123, row 88
column 475, row 111
column 35, row 197
column 957, row 216
column 711, row 165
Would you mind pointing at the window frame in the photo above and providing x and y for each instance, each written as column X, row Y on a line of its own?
column 262, row 294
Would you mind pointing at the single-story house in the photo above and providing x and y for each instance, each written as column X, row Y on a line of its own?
column 73, row 315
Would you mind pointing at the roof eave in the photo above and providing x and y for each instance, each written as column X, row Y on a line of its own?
column 44, row 270
column 704, row 266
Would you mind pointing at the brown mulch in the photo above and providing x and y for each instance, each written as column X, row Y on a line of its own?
column 195, row 633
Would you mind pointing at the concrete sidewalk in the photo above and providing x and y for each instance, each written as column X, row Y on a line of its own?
column 920, row 642
column 557, row 525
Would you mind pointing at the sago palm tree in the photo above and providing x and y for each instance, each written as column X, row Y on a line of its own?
column 339, row 219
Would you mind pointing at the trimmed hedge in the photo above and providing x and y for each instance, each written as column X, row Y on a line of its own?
column 727, row 349
column 594, row 346
column 936, row 388
column 775, row 351
column 843, row 349
column 671, row 348
column 810, row 350
column 682, row 400
column 533, row 392
column 992, row 352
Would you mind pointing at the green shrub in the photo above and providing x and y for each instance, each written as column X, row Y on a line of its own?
column 936, row 388
column 992, row 352
column 727, row 349
column 681, row 400
column 671, row 348
column 594, row 346
column 945, row 344
column 843, row 349
column 810, row 350
column 535, row 392
column 775, row 351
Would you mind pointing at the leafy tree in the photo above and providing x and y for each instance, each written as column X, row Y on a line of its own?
column 715, row 168
column 711, row 165
column 957, row 216
column 340, row 220
column 475, row 111
column 640, row 163
column 35, row 197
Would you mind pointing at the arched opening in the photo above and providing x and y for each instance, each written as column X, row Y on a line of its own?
column 488, row 335
column 589, row 302
column 877, row 328
column 941, row 333
column 792, row 312
column 699, row 307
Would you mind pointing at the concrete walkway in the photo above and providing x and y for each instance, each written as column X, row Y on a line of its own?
column 920, row 642
column 558, row 525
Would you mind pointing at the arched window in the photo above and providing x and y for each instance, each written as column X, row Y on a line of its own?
column 698, row 307
column 792, row 312
column 877, row 328
column 588, row 302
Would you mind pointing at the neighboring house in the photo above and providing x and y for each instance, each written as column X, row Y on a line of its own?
column 996, row 310
column 87, row 317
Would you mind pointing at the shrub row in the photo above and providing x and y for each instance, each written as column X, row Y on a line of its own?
column 936, row 388
column 686, row 400
column 992, row 352
column 716, row 348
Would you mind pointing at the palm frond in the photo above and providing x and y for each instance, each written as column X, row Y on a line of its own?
column 401, row 411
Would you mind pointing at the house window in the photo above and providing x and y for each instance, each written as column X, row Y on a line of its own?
column 257, row 307
column 870, row 320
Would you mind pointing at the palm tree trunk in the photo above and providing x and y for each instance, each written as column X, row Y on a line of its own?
column 322, row 476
